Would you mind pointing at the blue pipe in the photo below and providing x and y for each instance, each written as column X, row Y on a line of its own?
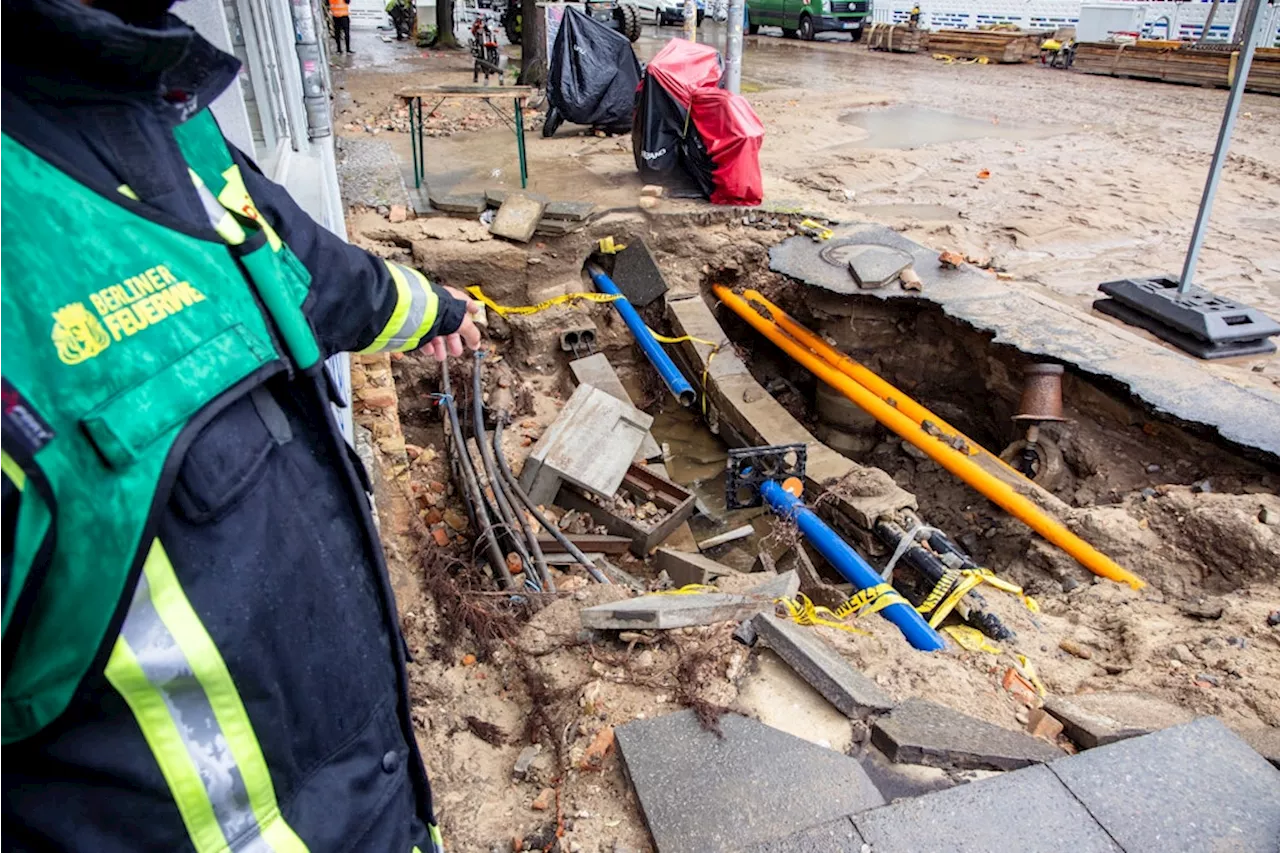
column 652, row 349
column 850, row 564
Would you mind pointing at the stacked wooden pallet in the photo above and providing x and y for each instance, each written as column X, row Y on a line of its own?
column 996, row 46
column 1178, row 62
column 898, row 38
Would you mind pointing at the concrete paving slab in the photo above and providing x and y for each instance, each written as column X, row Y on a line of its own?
column 920, row 732
column 596, row 370
column 636, row 274
column 837, row 836
column 704, row 794
column 876, row 266
column 591, row 445
column 1096, row 719
column 465, row 203
column 517, row 218
column 1040, row 325
column 1029, row 810
column 555, row 227
column 686, row 568
column 662, row 611
column 851, row 692
column 1194, row 787
column 573, row 211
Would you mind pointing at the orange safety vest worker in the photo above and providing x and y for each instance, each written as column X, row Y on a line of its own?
column 339, row 8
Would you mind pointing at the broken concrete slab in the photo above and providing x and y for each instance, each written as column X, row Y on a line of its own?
column 685, row 568
column 596, row 370
column 517, row 218
column 573, row 211
column 495, row 197
column 664, row 611
column 920, row 732
column 472, row 204
column 636, row 274
column 749, row 416
column 876, row 266
column 1026, row 810
column 855, row 695
column 703, row 794
column 1095, row 719
column 837, row 836
column 1191, row 787
column 591, row 445
column 771, row 692
column 1265, row 741
column 1040, row 325
column 555, row 227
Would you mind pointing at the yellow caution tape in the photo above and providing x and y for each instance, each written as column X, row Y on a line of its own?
column 870, row 600
column 956, row 583
column 816, row 229
column 951, row 60
column 609, row 247
column 504, row 310
column 971, row 639
column 802, row 611
column 689, row 589
column 1029, row 672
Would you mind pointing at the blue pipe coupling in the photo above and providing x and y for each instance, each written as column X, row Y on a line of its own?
column 658, row 357
column 850, row 564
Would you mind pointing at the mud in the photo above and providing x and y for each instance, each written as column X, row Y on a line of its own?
column 1098, row 184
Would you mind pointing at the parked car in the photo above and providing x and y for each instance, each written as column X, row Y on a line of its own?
column 807, row 18
column 672, row 12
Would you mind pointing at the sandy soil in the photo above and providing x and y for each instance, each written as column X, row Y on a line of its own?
column 1091, row 179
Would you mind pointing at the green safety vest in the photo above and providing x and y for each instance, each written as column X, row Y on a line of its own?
column 116, row 338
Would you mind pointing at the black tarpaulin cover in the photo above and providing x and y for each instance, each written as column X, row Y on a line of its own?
column 593, row 73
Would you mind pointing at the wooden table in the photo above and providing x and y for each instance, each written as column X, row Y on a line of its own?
column 413, row 98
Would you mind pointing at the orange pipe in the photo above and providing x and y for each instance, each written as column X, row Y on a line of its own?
column 878, row 386
column 994, row 489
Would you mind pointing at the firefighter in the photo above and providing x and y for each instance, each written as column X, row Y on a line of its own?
column 200, row 644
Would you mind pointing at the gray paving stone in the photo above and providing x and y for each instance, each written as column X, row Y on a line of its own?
column 637, row 275
column 591, row 445
column 851, row 692
column 660, row 612
column 1096, row 719
column 518, row 217
column 919, row 732
column 468, row 203
column 876, row 266
column 703, row 794
column 574, row 211
column 596, row 370
column 1194, row 787
column 1029, row 810
column 684, row 567
column 837, row 836
column 555, row 227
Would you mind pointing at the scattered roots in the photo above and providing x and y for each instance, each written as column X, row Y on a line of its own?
column 487, row 732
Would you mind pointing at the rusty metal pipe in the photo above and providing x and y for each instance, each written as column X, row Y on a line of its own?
column 993, row 488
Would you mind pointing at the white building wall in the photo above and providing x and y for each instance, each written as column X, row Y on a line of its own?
column 1164, row 18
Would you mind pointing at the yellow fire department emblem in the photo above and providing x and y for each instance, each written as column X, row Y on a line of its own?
column 77, row 333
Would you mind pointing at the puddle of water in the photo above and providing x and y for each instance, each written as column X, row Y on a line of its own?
column 924, row 212
column 696, row 460
column 907, row 126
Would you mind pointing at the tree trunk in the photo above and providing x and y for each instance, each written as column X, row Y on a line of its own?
column 533, row 54
column 444, row 24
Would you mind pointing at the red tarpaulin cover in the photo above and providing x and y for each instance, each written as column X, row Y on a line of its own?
column 732, row 133
column 683, row 66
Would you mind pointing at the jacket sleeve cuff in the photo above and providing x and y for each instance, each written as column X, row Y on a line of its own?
column 422, row 311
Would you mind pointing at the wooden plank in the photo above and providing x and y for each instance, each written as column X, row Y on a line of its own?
column 587, row 542
column 1174, row 62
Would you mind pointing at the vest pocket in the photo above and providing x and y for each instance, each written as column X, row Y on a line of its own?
column 123, row 428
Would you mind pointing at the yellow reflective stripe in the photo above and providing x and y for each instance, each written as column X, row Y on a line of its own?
column 234, row 196
column 162, row 736
column 428, row 316
column 13, row 470
column 221, row 219
column 210, row 670
column 127, row 191
column 404, row 298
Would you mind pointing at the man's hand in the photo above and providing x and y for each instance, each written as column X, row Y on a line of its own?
column 446, row 345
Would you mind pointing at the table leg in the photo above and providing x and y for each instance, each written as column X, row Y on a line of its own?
column 524, row 165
